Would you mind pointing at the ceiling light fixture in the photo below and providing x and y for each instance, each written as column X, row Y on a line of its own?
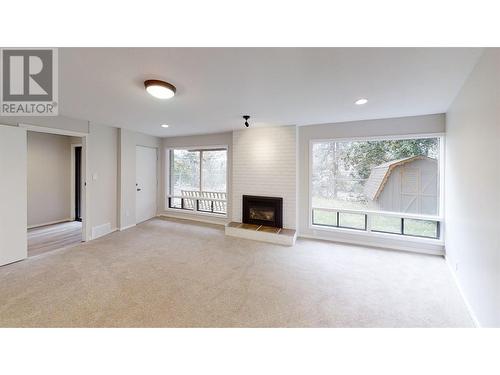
column 361, row 101
column 159, row 89
column 246, row 117
column 164, row 125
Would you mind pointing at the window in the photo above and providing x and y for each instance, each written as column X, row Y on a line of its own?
column 198, row 180
column 385, row 185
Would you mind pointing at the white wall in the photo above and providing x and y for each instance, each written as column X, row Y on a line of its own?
column 49, row 178
column 127, row 142
column 103, row 174
column 207, row 140
column 472, row 203
column 102, row 147
column 13, row 193
column 265, row 163
column 358, row 129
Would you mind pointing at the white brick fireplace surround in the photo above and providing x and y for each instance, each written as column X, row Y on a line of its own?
column 265, row 163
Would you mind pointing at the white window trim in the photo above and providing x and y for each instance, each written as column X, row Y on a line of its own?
column 167, row 182
column 368, row 232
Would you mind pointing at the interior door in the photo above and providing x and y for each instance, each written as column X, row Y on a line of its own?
column 13, row 194
column 78, row 183
column 146, row 183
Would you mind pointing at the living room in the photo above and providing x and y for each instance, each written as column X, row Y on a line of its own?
column 250, row 187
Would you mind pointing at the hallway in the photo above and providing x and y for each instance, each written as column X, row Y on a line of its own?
column 53, row 237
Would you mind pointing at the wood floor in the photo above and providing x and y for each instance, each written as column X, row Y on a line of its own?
column 53, row 237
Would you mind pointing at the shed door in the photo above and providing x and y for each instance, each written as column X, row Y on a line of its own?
column 410, row 190
column 429, row 192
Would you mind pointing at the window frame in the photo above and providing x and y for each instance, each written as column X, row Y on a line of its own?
column 168, row 186
column 439, row 218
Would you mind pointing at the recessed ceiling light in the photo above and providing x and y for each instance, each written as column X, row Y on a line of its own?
column 159, row 89
column 361, row 101
column 164, row 125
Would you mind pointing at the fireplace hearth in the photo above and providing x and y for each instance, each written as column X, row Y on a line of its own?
column 267, row 211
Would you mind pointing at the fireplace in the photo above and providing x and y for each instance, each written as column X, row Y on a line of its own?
column 266, row 211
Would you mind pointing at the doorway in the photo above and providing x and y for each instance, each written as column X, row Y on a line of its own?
column 146, row 183
column 14, row 191
column 77, row 181
column 54, row 172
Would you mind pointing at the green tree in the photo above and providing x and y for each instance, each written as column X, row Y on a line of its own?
column 360, row 157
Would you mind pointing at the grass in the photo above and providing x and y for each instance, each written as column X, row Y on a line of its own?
column 339, row 203
column 424, row 228
column 347, row 220
column 388, row 224
column 380, row 223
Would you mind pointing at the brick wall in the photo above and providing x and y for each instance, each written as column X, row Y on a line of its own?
column 265, row 163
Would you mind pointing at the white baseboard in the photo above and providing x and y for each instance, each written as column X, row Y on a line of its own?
column 50, row 223
column 462, row 294
column 127, row 227
column 102, row 230
column 112, row 230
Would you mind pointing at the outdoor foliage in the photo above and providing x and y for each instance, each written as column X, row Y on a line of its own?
column 361, row 157
column 185, row 171
column 198, row 170
column 340, row 169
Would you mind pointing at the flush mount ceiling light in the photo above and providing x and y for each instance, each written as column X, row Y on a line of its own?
column 361, row 101
column 164, row 125
column 246, row 117
column 159, row 89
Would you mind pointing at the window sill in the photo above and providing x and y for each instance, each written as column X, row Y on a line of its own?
column 388, row 236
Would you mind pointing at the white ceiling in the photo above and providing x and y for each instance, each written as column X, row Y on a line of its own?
column 276, row 86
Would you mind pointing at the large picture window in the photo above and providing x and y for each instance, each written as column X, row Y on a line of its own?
column 198, row 180
column 385, row 185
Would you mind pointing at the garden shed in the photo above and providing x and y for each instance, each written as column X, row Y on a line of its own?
column 407, row 185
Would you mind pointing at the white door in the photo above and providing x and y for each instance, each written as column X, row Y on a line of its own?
column 13, row 194
column 146, row 183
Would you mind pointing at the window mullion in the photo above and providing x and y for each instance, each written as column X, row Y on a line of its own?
column 201, row 170
column 201, row 179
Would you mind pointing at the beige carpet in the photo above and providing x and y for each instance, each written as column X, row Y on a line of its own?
column 166, row 273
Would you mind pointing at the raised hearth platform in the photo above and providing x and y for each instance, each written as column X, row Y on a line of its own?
column 281, row 236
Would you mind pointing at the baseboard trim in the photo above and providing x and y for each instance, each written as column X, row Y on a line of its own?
column 127, row 227
column 104, row 235
column 102, row 230
column 462, row 294
column 50, row 223
column 374, row 245
column 201, row 219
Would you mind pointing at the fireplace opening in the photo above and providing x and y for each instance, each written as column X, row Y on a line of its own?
column 266, row 211
column 263, row 213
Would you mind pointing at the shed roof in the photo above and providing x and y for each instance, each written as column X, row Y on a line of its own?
column 380, row 174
